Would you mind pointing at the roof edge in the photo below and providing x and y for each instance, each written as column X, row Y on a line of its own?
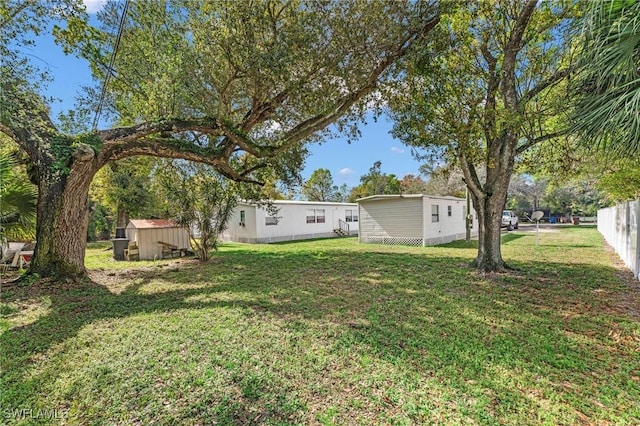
column 399, row 196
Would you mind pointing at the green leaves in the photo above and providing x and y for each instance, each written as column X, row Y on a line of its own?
column 200, row 199
column 607, row 110
column 376, row 183
column 320, row 187
column 63, row 147
column 623, row 182
column 18, row 199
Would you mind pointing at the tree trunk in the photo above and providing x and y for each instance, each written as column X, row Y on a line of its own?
column 63, row 220
column 122, row 216
column 489, row 201
column 489, row 258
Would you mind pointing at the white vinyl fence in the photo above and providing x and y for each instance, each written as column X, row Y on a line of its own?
column 619, row 227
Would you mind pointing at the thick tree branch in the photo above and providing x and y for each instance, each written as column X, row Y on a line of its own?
column 135, row 140
column 515, row 39
column 471, row 178
column 513, row 47
column 173, row 148
column 207, row 125
column 31, row 131
column 493, row 83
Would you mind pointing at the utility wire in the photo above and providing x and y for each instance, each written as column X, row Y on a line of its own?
column 111, row 63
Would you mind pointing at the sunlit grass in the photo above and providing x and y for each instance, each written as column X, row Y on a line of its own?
column 333, row 332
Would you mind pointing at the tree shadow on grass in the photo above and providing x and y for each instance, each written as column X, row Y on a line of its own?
column 473, row 244
column 431, row 315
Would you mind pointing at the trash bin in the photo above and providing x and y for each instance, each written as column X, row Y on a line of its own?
column 119, row 245
column 552, row 219
column 575, row 220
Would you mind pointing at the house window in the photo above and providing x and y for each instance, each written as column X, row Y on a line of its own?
column 449, row 211
column 315, row 215
column 435, row 213
column 270, row 220
column 242, row 218
column 351, row 215
column 311, row 216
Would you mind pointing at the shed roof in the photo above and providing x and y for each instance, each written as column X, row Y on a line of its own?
column 153, row 223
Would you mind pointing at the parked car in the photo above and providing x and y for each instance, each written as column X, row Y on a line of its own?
column 509, row 220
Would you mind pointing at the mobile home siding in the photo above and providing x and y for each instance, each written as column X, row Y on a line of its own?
column 402, row 217
column 291, row 222
column 448, row 228
column 242, row 232
column 409, row 219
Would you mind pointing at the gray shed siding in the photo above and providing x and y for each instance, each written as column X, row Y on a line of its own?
column 402, row 217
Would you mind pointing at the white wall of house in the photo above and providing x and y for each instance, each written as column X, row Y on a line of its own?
column 242, row 226
column 449, row 225
column 412, row 219
column 294, row 220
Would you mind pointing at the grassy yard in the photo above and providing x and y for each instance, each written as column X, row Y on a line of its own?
column 331, row 332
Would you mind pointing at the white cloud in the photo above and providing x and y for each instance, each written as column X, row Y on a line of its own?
column 346, row 171
column 94, row 6
column 397, row 150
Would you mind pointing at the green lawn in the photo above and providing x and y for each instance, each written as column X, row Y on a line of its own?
column 331, row 332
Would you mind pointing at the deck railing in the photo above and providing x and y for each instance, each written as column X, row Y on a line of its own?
column 344, row 227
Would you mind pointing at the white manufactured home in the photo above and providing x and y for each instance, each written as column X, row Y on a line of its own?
column 291, row 220
column 413, row 219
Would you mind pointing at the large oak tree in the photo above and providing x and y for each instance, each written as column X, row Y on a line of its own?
column 495, row 93
column 240, row 86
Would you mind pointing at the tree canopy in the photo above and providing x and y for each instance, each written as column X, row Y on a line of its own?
column 497, row 90
column 320, row 187
column 240, row 86
column 376, row 182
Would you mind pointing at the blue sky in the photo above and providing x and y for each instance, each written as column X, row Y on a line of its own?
column 347, row 162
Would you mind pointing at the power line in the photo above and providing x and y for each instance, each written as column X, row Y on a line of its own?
column 111, row 63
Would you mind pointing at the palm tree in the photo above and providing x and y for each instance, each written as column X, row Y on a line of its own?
column 18, row 199
column 608, row 79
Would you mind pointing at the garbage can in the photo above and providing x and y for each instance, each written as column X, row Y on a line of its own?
column 119, row 245
column 552, row 219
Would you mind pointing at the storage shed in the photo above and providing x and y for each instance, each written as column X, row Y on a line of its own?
column 153, row 236
column 412, row 219
column 291, row 220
